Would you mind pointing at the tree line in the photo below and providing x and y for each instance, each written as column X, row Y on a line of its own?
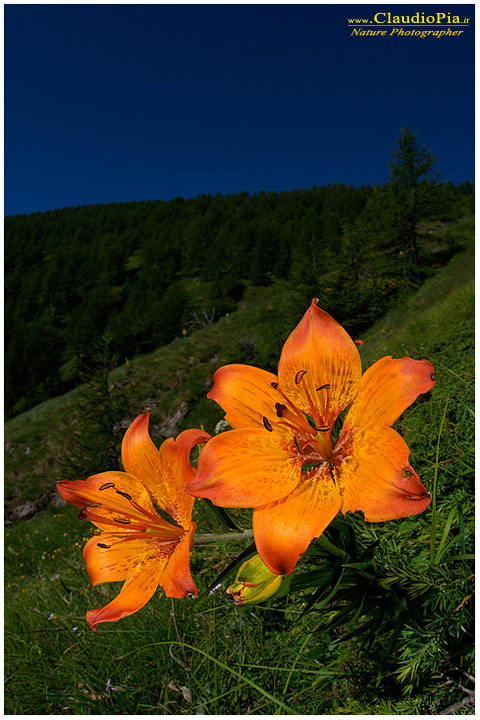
column 134, row 271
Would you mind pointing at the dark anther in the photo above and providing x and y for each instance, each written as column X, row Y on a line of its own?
column 432, row 376
column 125, row 495
column 280, row 408
column 267, row 425
column 122, row 521
column 94, row 505
column 102, row 545
column 323, row 428
column 322, row 387
column 82, row 515
column 298, row 446
column 274, row 385
column 105, row 486
column 299, row 376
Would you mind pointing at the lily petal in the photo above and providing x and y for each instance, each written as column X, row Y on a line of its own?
column 136, row 592
column 140, row 457
column 245, row 468
column 247, row 394
column 176, row 471
column 176, row 579
column 377, row 478
column 163, row 472
column 317, row 353
column 116, row 500
column 386, row 389
column 283, row 530
column 111, row 557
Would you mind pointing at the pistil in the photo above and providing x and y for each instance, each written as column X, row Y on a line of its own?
column 323, row 442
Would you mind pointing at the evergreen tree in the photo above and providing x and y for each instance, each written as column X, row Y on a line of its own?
column 97, row 418
column 412, row 181
column 131, row 269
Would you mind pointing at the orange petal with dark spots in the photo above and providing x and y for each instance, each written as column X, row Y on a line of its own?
column 111, row 557
column 319, row 352
column 247, row 394
column 283, row 530
column 246, row 468
column 116, row 500
column 377, row 478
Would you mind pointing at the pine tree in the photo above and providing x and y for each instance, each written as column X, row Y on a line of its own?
column 412, row 180
column 96, row 418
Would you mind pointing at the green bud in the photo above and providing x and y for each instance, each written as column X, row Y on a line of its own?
column 254, row 583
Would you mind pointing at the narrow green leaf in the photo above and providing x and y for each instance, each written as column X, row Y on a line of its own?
column 456, row 558
column 434, row 494
column 222, row 515
column 448, row 525
column 225, row 667
column 461, row 530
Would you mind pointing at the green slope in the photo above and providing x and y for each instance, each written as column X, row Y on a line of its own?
column 174, row 380
column 55, row 665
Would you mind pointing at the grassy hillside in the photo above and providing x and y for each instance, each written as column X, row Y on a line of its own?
column 138, row 271
column 235, row 661
column 174, row 380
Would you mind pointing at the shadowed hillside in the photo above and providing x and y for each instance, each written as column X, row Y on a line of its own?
column 140, row 273
column 392, row 634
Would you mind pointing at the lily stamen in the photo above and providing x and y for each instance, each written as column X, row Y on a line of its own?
column 146, row 523
column 313, row 409
column 290, row 416
column 327, row 403
column 299, row 375
column 267, row 424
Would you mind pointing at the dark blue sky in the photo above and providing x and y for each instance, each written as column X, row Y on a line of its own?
column 111, row 103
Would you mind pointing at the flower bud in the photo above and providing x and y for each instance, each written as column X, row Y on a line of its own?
column 254, row 583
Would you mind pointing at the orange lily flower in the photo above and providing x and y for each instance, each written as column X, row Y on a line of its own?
column 138, row 545
column 279, row 458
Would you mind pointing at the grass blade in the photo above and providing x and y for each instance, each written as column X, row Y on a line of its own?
column 228, row 669
column 434, row 493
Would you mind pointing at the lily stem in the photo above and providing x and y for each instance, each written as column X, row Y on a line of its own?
column 222, row 537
